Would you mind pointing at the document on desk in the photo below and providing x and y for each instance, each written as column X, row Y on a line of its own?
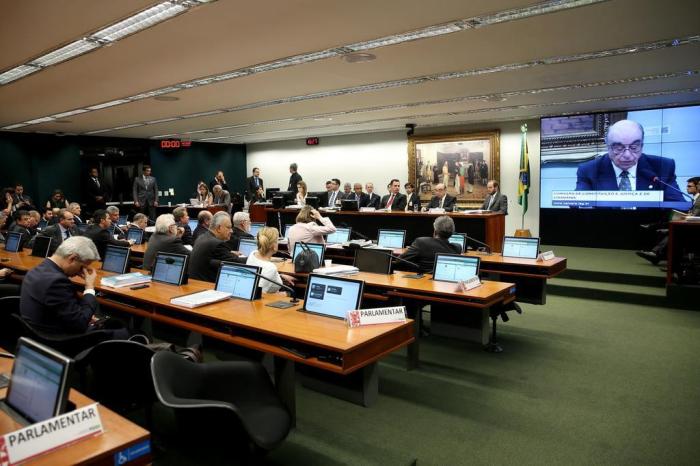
column 201, row 298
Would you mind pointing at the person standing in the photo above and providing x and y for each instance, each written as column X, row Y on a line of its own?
column 145, row 192
column 96, row 192
column 294, row 178
column 219, row 179
column 253, row 183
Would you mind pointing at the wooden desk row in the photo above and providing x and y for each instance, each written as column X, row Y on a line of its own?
column 119, row 434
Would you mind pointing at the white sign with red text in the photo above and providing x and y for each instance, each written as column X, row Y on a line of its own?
column 377, row 315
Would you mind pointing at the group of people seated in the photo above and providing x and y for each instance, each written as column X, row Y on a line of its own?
column 15, row 199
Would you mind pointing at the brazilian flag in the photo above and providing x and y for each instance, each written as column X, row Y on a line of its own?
column 524, row 175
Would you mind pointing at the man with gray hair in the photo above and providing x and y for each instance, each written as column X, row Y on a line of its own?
column 422, row 251
column 203, row 222
column 211, row 249
column 182, row 219
column 49, row 302
column 113, row 212
column 75, row 209
column 165, row 239
column 241, row 229
column 221, row 197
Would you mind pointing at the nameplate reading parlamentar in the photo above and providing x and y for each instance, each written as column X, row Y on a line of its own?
column 377, row 315
column 469, row 284
column 28, row 442
column 545, row 256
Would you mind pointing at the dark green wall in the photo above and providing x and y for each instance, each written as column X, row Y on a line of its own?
column 43, row 163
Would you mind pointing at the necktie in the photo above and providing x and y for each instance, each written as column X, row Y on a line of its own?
column 625, row 181
column 358, row 201
column 257, row 183
column 66, row 234
column 97, row 182
column 331, row 199
column 391, row 201
column 490, row 202
column 441, row 202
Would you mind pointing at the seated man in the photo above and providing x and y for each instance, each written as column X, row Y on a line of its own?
column 182, row 219
column 49, row 302
column 442, row 200
column 113, row 212
column 22, row 226
column 394, row 200
column 203, row 222
column 358, row 196
column 100, row 232
column 221, row 196
column 46, row 219
column 413, row 203
column 211, row 248
column 241, row 229
column 422, row 251
column 61, row 231
column 165, row 239
column 495, row 201
column 76, row 210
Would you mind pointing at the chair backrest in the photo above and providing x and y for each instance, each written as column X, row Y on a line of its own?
column 174, row 378
column 8, row 334
column 70, row 345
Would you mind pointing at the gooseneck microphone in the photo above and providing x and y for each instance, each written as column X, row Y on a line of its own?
column 656, row 179
column 379, row 251
column 474, row 240
column 354, row 232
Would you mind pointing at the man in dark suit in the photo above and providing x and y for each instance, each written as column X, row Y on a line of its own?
column 76, row 210
column 394, row 200
column 21, row 200
column 182, row 219
column 99, row 233
column 203, row 222
column 422, row 251
column 253, row 183
column 145, row 191
column 61, row 231
column 96, row 191
column 241, row 229
column 442, row 200
column 22, row 226
column 220, row 180
column 211, row 248
column 626, row 168
column 165, row 239
column 294, row 178
column 113, row 212
column 413, row 199
column 334, row 196
column 221, row 197
column 358, row 196
column 49, row 302
column 324, row 197
column 495, row 201
column 374, row 199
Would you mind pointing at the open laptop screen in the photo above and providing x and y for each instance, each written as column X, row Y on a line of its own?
column 318, row 248
column 287, row 227
column 460, row 239
column 169, row 268
column 192, row 223
column 332, row 296
column 393, row 239
column 454, row 267
column 238, row 280
column 12, row 242
column 116, row 259
column 255, row 228
column 517, row 246
column 341, row 235
column 246, row 246
column 136, row 234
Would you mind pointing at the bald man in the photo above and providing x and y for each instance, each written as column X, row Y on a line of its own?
column 627, row 168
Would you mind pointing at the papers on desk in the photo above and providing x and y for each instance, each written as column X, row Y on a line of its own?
column 337, row 269
column 151, row 229
column 363, row 243
column 200, row 299
column 476, row 211
column 127, row 279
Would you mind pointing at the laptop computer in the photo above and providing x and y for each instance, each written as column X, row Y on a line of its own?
column 332, row 296
column 238, row 280
column 116, row 259
column 246, row 246
column 193, row 223
column 312, row 201
column 455, row 267
column 318, row 248
column 374, row 260
column 41, row 246
column 287, row 227
column 255, row 228
column 38, row 388
column 13, row 241
column 460, row 239
column 341, row 235
column 136, row 234
column 170, row 268
column 394, row 239
column 523, row 247
column 123, row 219
column 349, row 205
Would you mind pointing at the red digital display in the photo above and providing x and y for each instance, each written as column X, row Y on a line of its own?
column 174, row 144
column 312, row 141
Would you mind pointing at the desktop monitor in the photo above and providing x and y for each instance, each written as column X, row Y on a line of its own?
column 318, row 248
column 332, row 296
column 255, row 228
column 312, row 201
column 270, row 193
column 238, row 280
column 123, row 219
column 374, row 260
column 136, row 234
column 455, row 267
column 278, row 202
column 460, row 239
column 349, row 204
column 246, row 246
column 170, row 268
column 41, row 246
column 341, row 235
column 116, row 259
column 193, row 223
column 518, row 246
column 393, row 239
column 38, row 388
column 13, row 241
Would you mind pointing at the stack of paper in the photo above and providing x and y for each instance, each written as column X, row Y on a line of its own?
column 200, row 299
column 127, row 279
column 337, row 269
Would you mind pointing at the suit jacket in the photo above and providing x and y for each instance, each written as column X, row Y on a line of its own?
column 364, row 199
column 187, row 235
column 94, row 191
column 695, row 209
column 598, row 175
column 198, row 231
column 236, row 235
column 160, row 242
column 54, row 232
column 374, row 200
column 413, row 202
column 251, row 187
column 102, row 238
column 214, row 182
column 294, row 178
column 449, row 203
column 223, row 199
column 499, row 204
column 422, row 251
column 49, row 302
column 205, row 256
column 399, row 203
column 26, row 233
column 145, row 191
column 28, row 203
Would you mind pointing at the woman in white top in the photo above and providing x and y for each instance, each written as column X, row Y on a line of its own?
column 301, row 193
column 204, row 197
column 307, row 230
column 267, row 246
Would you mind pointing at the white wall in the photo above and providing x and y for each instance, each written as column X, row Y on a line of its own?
column 379, row 157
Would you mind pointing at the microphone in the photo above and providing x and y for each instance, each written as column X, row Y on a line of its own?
column 488, row 248
column 379, row 251
column 656, row 179
column 354, row 232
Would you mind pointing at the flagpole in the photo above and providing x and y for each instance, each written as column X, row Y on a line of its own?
column 523, row 180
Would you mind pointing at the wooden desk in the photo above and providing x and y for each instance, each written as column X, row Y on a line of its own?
column 487, row 227
column 119, row 434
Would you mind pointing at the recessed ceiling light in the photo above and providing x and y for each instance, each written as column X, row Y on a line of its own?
column 63, row 121
column 495, row 98
column 358, row 57
column 166, row 98
column 323, row 119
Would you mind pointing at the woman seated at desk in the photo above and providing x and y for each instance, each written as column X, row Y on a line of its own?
column 301, row 193
column 307, row 230
column 204, row 197
column 267, row 246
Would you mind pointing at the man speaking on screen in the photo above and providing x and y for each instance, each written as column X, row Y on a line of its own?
column 627, row 168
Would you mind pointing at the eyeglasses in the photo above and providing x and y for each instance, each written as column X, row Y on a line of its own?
column 618, row 148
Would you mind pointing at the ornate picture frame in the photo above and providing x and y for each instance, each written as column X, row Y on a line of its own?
column 464, row 162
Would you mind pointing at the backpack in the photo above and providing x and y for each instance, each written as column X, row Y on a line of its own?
column 306, row 261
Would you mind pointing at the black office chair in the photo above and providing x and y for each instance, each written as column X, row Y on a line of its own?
column 69, row 345
column 117, row 373
column 210, row 399
column 8, row 335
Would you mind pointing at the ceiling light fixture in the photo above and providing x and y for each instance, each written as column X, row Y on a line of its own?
column 165, row 98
